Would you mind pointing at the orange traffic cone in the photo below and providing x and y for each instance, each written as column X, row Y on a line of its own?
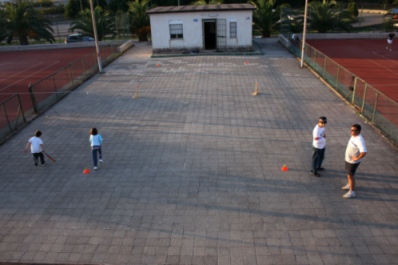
column 247, row 62
column 158, row 65
column 284, row 168
column 86, row 171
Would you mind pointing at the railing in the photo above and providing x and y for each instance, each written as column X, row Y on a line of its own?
column 51, row 89
column 380, row 110
column 14, row 117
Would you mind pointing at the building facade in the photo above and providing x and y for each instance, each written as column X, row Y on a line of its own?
column 224, row 27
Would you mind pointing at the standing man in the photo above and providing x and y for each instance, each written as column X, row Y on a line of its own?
column 390, row 38
column 318, row 144
column 355, row 151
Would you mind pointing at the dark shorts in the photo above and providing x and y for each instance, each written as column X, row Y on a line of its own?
column 351, row 168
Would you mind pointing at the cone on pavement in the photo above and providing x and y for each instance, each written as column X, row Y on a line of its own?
column 255, row 93
column 86, row 171
column 284, row 168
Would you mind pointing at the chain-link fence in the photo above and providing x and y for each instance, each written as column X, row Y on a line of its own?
column 372, row 104
column 51, row 89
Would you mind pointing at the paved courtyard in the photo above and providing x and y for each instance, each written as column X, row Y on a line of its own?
column 192, row 170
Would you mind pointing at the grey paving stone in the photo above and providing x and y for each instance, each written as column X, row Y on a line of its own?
column 191, row 171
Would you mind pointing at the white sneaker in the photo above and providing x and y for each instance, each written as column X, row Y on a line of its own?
column 101, row 161
column 346, row 187
column 349, row 195
column 95, row 168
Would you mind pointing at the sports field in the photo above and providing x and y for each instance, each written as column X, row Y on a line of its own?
column 366, row 58
column 19, row 68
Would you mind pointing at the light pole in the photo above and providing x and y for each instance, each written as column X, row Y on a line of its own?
column 304, row 34
column 96, row 38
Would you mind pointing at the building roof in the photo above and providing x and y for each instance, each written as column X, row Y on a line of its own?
column 200, row 8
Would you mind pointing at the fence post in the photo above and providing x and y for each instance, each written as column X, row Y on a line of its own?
column 5, row 113
column 20, row 104
column 353, row 92
column 337, row 78
column 71, row 76
column 55, row 86
column 32, row 97
column 324, row 66
column 84, row 67
column 374, row 109
column 364, row 96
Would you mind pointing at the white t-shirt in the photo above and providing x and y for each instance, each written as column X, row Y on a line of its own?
column 320, row 133
column 356, row 145
column 35, row 143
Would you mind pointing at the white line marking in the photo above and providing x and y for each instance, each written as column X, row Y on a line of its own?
column 55, row 62
column 394, row 61
column 383, row 67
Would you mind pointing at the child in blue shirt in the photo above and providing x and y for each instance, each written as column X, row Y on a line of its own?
column 96, row 142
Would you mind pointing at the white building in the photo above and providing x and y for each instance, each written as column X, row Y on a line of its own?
column 204, row 27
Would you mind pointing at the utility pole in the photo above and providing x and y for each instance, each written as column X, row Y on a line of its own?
column 96, row 37
column 304, row 34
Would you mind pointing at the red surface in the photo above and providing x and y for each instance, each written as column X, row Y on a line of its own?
column 367, row 59
column 19, row 68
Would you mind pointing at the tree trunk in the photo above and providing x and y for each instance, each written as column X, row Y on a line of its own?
column 23, row 40
column 266, row 34
column 142, row 37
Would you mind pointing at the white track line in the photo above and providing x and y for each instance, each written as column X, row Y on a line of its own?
column 20, row 72
column 394, row 61
column 383, row 67
column 55, row 62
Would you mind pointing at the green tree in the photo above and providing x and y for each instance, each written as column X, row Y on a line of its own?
column 325, row 17
column 22, row 21
column 265, row 16
column 139, row 19
column 74, row 7
column 118, row 5
column 353, row 8
column 104, row 23
column 210, row 2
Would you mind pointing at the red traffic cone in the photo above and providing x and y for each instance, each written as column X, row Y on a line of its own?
column 284, row 168
column 247, row 62
column 86, row 171
column 158, row 65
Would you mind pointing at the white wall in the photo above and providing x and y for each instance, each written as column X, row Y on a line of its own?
column 192, row 29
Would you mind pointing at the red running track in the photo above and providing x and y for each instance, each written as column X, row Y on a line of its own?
column 19, row 68
column 366, row 58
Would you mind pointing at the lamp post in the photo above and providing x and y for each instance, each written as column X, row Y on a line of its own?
column 304, row 34
column 96, row 38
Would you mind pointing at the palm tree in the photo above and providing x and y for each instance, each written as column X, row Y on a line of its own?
column 22, row 21
column 3, row 23
column 140, row 24
column 265, row 16
column 325, row 17
column 211, row 2
column 104, row 23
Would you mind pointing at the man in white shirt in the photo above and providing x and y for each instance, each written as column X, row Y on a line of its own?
column 356, row 150
column 318, row 144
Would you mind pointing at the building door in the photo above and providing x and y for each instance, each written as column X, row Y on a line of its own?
column 209, row 34
column 221, row 34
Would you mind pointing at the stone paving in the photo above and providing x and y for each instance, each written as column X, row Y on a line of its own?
column 192, row 170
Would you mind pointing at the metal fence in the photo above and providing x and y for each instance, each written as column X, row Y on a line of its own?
column 377, row 108
column 14, row 112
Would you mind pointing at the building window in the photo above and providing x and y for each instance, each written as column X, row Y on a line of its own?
column 176, row 31
column 232, row 29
